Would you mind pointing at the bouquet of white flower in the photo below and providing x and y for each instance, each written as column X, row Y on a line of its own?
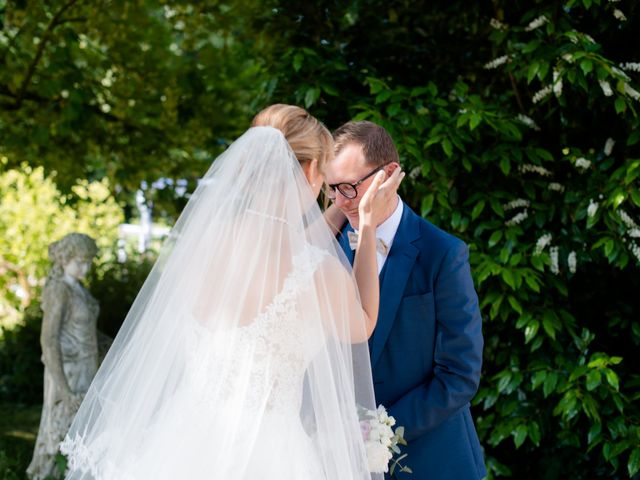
column 381, row 441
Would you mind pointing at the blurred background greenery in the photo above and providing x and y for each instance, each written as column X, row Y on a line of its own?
column 516, row 120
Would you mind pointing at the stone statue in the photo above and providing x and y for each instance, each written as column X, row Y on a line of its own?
column 69, row 340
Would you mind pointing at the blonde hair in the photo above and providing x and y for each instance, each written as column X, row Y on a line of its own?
column 306, row 135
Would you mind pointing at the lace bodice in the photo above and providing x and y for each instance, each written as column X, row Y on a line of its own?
column 269, row 355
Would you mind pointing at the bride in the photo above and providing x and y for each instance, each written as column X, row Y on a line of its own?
column 245, row 354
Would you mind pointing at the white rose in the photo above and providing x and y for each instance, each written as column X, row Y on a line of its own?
column 378, row 457
column 382, row 414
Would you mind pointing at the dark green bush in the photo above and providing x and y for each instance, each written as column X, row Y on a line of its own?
column 517, row 122
column 116, row 286
column 18, row 429
column 21, row 370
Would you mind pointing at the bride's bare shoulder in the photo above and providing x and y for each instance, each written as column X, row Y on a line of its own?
column 332, row 266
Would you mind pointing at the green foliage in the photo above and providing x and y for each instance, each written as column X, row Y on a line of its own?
column 21, row 370
column 33, row 214
column 516, row 121
column 116, row 286
column 555, row 381
column 519, row 129
column 18, row 429
column 130, row 91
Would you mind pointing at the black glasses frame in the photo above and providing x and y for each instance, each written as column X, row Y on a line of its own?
column 354, row 186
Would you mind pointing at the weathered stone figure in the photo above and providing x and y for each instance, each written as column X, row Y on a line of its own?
column 69, row 343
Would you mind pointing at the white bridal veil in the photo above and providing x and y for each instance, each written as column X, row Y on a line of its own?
column 244, row 355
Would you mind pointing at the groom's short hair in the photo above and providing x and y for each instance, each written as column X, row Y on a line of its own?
column 377, row 144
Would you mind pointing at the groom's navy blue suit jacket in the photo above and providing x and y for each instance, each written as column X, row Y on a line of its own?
column 426, row 350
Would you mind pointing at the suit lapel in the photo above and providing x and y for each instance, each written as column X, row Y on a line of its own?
column 397, row 269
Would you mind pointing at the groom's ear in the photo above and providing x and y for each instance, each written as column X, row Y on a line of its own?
column 389, row 169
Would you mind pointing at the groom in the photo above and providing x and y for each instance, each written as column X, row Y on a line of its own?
column 426, row 350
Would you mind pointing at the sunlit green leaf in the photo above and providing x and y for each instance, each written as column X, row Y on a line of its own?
column 495, row 238
column 593, row 379
column 520, row 435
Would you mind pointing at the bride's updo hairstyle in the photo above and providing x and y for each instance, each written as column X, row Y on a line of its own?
column 308, row 137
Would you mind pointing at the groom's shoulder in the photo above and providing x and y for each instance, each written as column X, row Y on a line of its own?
column 433, row 237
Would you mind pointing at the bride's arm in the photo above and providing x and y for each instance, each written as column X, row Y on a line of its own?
column 341, row 311
column 365, row 264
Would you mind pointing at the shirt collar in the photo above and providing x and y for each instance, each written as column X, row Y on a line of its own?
column 386, row 231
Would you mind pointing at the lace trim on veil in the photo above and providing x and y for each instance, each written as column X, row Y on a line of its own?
column 80, row 457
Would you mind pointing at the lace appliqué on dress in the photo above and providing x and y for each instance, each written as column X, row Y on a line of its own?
column 275, row 344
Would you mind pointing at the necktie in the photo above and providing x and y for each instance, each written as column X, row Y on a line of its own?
column 381, row 246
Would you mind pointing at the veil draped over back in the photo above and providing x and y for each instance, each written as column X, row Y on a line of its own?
column 244, row 354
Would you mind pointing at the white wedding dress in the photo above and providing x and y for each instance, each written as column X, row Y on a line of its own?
column 244, row 355
column 176, row 445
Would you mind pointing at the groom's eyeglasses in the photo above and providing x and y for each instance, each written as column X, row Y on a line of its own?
column 349, row 190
